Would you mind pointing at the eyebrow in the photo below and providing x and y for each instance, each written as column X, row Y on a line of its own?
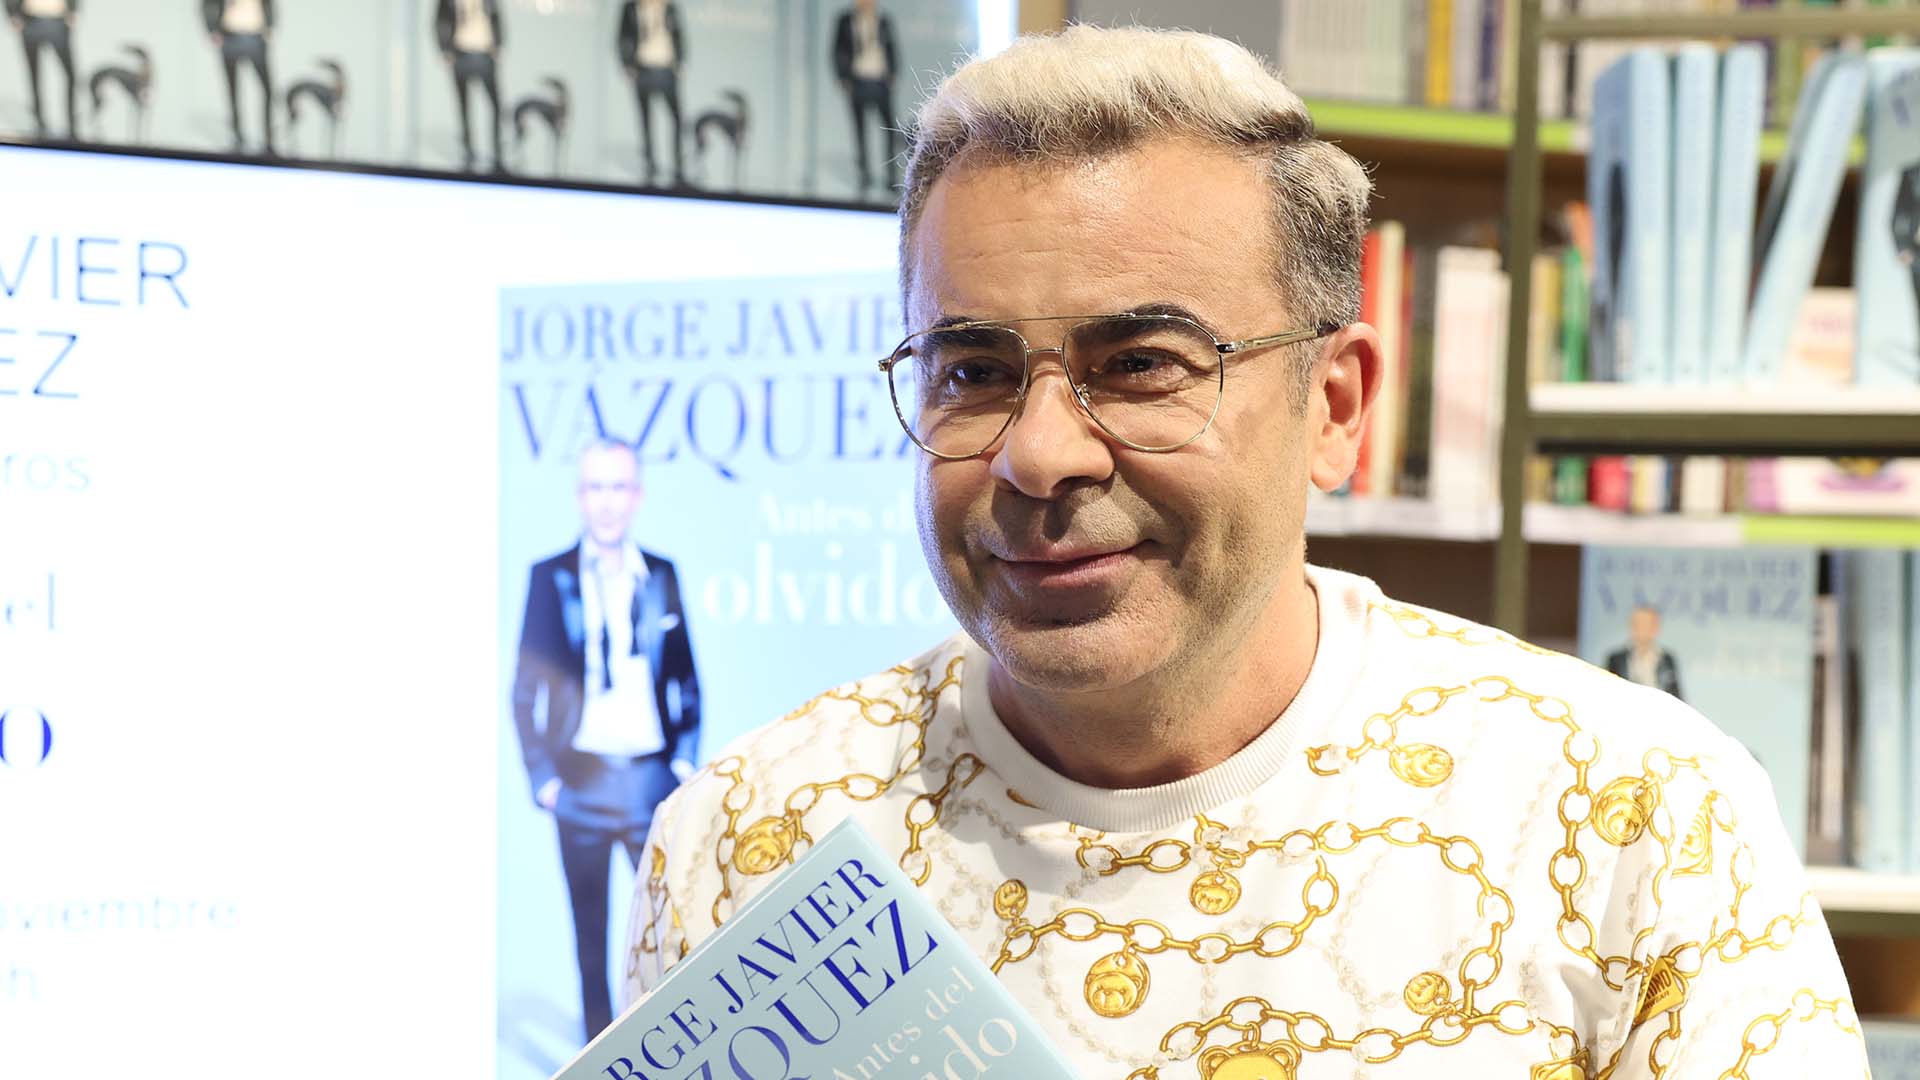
column 1158, row 307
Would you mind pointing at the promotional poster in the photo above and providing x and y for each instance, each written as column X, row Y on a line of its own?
column 261, row 589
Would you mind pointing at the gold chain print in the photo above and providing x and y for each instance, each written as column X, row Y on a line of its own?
column 1764, row 1033
column 771, row 842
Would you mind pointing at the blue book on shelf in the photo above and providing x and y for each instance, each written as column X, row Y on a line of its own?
column 1881, row 831
column 1629, row 187
column 840, row 964
column 1913, row 711
column 1893, row 1047
column 1695, row 88
column 1729, row 632
column 1799, row 207
column 1736, row 180
column 1886, row 252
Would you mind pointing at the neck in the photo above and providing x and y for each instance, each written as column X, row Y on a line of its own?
column 1166, row 727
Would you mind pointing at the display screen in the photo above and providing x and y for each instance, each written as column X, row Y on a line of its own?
column 358, row 536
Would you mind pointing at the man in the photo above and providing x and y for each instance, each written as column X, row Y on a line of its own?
column 1206, row 809
column 864, row 62
column 605, row 699
column 652, row 51
column 47, row 25
column 240, row 29
column 470, row 36
column 1644, row 661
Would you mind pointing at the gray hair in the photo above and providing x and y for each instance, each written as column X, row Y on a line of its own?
column 1089, row 91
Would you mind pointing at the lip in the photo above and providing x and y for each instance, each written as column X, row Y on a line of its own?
column 1067, row 570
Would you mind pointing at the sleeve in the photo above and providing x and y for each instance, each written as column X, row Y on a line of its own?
column 1737, row 974
column 443, row 25
column 534, row 672
column 679, row 39
column 843, row 48
column 678, row 659
column 210, row 14
column 628, row 38
column 499, row 22
column 887, row 45
column 266, row 13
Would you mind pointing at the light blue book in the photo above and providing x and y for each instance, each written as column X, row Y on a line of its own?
column 1695, row 89
column 1886, row 252
column 1913, row 711
column 1736, row 180
column 1799, row 207
column 1729, row 632
column 839, row 967
column 1893, row 1047
column 1629, row 188
column 1881, row 837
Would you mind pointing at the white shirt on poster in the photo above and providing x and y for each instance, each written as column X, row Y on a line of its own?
column 44, row 9
column 656, row 45
column 869, row 59
column 244, row 17
column 472, row 30
column 621, row 719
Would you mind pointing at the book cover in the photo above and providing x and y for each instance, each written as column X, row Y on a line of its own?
column 1610, row 483
column 1696, row 92
column 1799, row 207
column 1843, row 487
column 1821, row 350
column 1629, row 188
column 1736, row 182
column 1893, row 1047
column 1881, row 840
column 1469, row 338
column 1703, row 485
column 1886, row 251
column 839, row 967
column 1730, row 632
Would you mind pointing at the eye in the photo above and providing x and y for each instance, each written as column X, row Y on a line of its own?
column 977, row 374
column 1135, row 362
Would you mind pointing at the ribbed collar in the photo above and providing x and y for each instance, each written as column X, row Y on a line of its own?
column 1342, row 601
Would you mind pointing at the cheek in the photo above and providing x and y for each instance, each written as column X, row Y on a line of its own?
column 944, row 494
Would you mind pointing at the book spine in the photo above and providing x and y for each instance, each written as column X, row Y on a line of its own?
column 1413, row 76
column 1439, row 53
column 1736, row 178
column 1606, row 199
column 1827, row 839
column 1609, row 483
column 1417, row 465
column 1543, row 319
column 1878, row 607
column 1912, row 776
column 1384, row 425
column 1464, row 81
column 1489, row 59
column 1466, row 333
column 1703, row 486
column 1361, row 482
column 1642, row 336
column 1573, row 316
column 1695, row 89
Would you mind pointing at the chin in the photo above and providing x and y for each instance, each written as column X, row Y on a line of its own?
column 1106, row 652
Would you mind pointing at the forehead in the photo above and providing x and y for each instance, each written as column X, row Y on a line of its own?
column 1170, row 220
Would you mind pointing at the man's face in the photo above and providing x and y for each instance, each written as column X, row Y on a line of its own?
column 1644, row 627
column 609, row 493
column 1079, row 564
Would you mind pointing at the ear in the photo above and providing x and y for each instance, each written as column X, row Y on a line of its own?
column 1347, row 379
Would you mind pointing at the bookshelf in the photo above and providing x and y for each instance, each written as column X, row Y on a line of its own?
column 1624, row 419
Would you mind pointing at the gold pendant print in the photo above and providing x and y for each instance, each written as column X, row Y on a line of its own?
column 1665, row 988
column 1564, row 1069
column 1420, row 764
column 1249, row 1061
column 1010, row 899
column 1214, row 892
column 1429, row 994
column 764, row 845
column 1622, row 810
column 1696, row 851
column 1117, row 984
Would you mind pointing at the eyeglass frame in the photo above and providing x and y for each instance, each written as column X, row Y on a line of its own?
column 1079, row 394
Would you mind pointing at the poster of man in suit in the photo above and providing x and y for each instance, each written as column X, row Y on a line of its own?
column 865, row 61
column 1644, row 660
column 606, row 700
column 46, row 26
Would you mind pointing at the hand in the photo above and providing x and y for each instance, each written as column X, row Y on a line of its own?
column 682, row 769
column 219, row 38
column 549, row 794
column 18, row 22
column 446, row 55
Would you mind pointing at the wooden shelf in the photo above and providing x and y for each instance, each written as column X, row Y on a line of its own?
column 1845, row 889
column 1576, row 526
column 1603, row 418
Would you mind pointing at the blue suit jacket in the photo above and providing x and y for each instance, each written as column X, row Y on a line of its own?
column 553, row 659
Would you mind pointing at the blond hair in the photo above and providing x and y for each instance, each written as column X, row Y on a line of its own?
column 1089, row 91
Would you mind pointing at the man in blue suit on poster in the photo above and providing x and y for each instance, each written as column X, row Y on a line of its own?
column 605, row 699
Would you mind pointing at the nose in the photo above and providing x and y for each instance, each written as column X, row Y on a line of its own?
column 1052, row 446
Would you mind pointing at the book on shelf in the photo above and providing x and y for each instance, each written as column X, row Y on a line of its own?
column 1828, row 816
column 1629, row 189
column 1730, row 632
column 1469, row 346
column 839, row 964
column 1696, row 77
column 1886, row 259
column 1799, row 207
column 1736, row 179
column 1820, row 340
column 1881, row 830
column 1912, row 777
